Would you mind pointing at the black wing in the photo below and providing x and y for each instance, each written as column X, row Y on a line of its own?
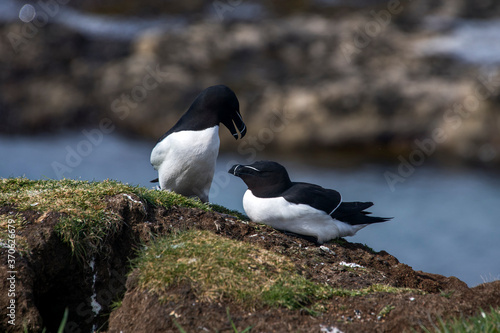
column 353, row 213
column 313, row 195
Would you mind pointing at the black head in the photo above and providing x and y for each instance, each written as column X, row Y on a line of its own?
column 219, row 104
column 214, row 105
column 264, row 178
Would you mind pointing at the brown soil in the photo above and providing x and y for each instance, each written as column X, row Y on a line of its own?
column 51, row 279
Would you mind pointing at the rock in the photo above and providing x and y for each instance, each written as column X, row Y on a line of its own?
column 341, row 83
column 52, row 278
column 47, row 79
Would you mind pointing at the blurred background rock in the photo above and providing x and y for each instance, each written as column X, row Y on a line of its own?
column 364, row 76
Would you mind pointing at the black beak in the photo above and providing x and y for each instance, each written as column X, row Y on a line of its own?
column 236, row 125
column 234, row 169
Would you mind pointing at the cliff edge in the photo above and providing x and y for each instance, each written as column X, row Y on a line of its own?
column 127, row 259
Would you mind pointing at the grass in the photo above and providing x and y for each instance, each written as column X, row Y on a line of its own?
column 219, row 268
column 8, row 223
column 446, row 294
column 223, row 269
column 85, row 222
column 483, row 322
column 385, row 311
column 62, row 325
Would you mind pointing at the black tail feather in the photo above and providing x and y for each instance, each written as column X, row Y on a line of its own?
column 353, row 213
column 349, row 208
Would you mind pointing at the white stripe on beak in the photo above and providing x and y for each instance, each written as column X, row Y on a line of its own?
column 250, row 167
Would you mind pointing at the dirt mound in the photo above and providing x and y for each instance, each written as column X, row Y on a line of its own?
column 382, row 312
column 102, row 292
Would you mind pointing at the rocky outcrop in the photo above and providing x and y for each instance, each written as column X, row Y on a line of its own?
column 101, row 290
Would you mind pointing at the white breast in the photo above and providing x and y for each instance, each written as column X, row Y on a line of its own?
column 185, row 161
column 297, row 218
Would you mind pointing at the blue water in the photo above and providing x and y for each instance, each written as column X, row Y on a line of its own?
column 445, row 222
column 472, row 41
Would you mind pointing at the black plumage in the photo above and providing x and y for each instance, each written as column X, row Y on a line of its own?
column 268, row 179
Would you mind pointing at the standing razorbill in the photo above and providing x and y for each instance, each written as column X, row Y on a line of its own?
column 185, row 156
column 301, row 208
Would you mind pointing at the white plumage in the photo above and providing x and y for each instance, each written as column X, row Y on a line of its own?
column 186, row 160
column 297, row 218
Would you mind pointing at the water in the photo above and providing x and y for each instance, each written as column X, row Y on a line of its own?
column 445, row 222
column 473, row 41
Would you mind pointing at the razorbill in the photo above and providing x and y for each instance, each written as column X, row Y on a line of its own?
column 301, row 208
column 185, row 155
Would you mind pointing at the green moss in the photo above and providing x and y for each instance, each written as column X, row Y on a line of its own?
column 218, row 267
column 385, row 311
column 446, row 294
column 85, row 221
column 339, row 241
column 375, row 288
column 10, row 225
column 482, row 322
column 224, row 210
column 223, row 269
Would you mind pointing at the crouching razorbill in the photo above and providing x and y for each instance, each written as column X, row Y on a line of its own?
column 185, row 156
column 301, row 208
